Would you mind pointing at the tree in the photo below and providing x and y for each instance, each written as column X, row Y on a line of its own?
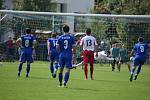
column 129, row 30
column 1, row 3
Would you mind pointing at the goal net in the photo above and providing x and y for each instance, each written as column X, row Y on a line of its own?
column 107, row 28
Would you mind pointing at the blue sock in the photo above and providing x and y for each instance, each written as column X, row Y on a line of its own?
column 139, row 69
column 20, row 67
column 28, row 68
column 51, row 67
column 60, row 76
column 66, row 77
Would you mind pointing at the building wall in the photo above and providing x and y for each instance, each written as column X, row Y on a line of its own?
column 75, row 6
column 82, row 6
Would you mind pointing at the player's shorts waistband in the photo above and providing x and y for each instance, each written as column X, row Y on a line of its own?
column 88, row 51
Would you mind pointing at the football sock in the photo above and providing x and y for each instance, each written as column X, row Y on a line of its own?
column 51, row 68
column 139, row 69
column 60, row 76
column 66, row 77
column 28, row 68
column 20, row 67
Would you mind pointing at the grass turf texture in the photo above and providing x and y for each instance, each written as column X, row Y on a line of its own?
column 107, row 85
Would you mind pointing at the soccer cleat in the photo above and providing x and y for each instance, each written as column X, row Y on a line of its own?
column 64, row 85
column 54, row 75
column 135, row 77
column 60, row 85
column 131, row 77
column 18, row 74
column 92, row 78
column 27, row 75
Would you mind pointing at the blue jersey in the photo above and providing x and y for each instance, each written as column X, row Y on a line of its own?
column 53, row 42
column 27, row 48
column 141, row 49
column 27, row 41
column 66, row 42
column 53, row 51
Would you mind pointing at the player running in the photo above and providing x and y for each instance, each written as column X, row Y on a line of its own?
column 53, row 54
column 26, row 43
column 124, row 57
column 89, row 44
column 141, row 51
column 65, row 45
column 114, row 53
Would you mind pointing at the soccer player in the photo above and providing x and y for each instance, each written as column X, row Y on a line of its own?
column 53, row 54
column 27, row 43
column 89, row 44
column 141, row 51
column 124, row 57
column 114, row 53
column 65, row 44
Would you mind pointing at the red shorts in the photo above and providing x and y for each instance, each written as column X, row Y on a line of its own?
column 88, row 57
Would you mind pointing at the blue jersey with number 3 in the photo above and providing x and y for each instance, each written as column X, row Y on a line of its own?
column 66, row 42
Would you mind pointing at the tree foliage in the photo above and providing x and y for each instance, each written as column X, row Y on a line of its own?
column 1, row 2
column 35, row 5
column 130, row 30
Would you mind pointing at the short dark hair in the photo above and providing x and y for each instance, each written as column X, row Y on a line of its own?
column 66, row 28
column 28, row 30
column 141, row 39
column 88, row 31
column 53, row 34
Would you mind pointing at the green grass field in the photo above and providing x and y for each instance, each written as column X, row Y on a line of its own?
column 107, row 85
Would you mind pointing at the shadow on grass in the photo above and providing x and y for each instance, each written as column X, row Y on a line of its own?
column 36, row 77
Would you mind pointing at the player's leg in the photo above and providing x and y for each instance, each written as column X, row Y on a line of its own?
column 68, row 62
column 139, row 69
column 128, row 64
column 29, row 61
column 60, row 73
column 135, row 63
column 55, row 69
column 66, row 76
column 20, row 68
column 119, row 65
column 22, row 59
column 113, row 64
column 85, row 63
column 91, row 60
column 51, row 67
column 28, row 69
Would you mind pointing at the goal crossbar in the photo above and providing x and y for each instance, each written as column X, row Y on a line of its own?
column 73, row 14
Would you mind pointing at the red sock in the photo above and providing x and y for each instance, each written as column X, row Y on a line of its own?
column 85, row 71
column 91, row 71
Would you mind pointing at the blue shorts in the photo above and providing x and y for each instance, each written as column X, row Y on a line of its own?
column 139, row 60
column 65, row 60
column 26, row 55
column 54, row 56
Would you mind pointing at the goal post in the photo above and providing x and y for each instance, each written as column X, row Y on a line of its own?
column 106, row 28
